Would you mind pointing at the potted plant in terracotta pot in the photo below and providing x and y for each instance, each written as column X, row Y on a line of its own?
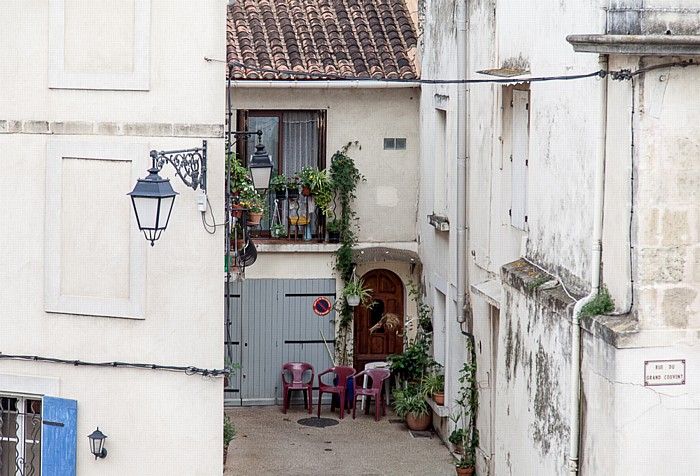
column 409, row 403
column 434, row 385
column 306, row 178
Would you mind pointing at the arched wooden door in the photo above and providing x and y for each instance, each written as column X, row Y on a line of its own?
column 387, row 291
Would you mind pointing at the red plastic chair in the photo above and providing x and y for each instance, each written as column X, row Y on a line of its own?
column 377, row 377
column 342, row 374
column 297, row 370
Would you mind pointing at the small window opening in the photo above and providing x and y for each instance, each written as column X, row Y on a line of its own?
column 394, row 143
column 376, row 315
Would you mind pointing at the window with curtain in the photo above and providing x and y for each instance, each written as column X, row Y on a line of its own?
column 294, row 139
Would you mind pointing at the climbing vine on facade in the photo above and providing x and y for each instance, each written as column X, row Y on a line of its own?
column 345, row 177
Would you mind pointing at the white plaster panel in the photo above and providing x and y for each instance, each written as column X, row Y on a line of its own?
column 99, row 36
column 29, row 385
column 74, row 261
column 105, row 47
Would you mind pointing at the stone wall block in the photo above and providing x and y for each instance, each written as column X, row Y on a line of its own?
column 108, row 129
column 3, row 126
column 651, row 227
column 72, row 127
column 695, row 273
column 148, row 129
column 36, row 127
column 676, row 306
column 197, row 130
column 676, row 229
column 14, row 126
column 662, row 265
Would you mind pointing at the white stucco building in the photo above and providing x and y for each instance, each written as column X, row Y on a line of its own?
column 88, row 88
column 554, row 189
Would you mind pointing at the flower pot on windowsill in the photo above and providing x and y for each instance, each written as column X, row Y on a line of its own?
column 333, row 237
column 439, row 398
column 464, row 471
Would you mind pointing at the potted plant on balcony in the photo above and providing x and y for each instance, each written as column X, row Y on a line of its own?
column 306, row 178
column 409, row 403
column 293, row 188
column 256, row 205
column 278, row 231
column 356, row 293
column 333, row 228
column 279, row 185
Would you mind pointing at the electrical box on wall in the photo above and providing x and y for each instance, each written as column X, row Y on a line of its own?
column 441, row 223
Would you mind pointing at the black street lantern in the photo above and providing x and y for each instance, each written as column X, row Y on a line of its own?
column 260, row 166
column 97, row 441
column 153, row 199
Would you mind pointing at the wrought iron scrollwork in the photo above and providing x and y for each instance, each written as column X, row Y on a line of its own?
column 190, row 164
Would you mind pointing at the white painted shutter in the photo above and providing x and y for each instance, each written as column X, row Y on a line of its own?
column 521, row 146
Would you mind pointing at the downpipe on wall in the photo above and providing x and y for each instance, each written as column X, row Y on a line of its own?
column 596, row 258
column 462, row 148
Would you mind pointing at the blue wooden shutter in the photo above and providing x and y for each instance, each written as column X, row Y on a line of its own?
column 59, row 439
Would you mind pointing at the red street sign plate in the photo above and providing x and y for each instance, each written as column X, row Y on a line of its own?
column 322, row 306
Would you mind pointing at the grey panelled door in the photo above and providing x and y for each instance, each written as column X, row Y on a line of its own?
column 272, row 322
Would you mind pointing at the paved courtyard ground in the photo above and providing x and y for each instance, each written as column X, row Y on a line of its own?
column 270, row 443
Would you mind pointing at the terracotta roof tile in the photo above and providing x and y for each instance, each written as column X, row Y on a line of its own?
column 355, row 38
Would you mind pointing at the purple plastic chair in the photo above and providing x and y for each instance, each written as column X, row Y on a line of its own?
column 342, row 374
column 377, row 377
column 297, row 370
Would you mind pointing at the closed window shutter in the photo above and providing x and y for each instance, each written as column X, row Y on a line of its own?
column 59, row 440
column 521, row 146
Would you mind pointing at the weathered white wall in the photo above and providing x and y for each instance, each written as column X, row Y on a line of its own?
column 181, row 107
column 629, row 427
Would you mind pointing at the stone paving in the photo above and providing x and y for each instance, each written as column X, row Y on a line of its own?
column 270, row 443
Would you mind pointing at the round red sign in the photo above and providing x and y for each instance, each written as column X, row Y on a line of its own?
column 322, row 306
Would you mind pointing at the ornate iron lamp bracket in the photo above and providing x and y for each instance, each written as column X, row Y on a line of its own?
column 190, row 164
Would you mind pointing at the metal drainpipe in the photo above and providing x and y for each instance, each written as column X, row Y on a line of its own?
column 597, row 247
column 462, row 148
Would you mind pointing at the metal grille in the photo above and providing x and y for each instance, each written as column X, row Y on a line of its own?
column 20, row 436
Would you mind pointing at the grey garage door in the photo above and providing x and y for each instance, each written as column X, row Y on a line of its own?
column 270, row 322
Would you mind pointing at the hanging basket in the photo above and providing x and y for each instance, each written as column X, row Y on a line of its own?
column 353, row 300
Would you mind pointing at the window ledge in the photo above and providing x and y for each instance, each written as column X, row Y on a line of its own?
column 294, row 246
column 440, row 410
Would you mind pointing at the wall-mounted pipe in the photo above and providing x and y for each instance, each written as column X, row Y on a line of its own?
column 462, row 149
column 597, row 247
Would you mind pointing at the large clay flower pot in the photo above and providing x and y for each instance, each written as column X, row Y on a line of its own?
column 254, row 218
column 439, row 398
column 419, row 424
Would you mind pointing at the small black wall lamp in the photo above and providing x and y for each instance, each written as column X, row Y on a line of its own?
column 97, row 442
